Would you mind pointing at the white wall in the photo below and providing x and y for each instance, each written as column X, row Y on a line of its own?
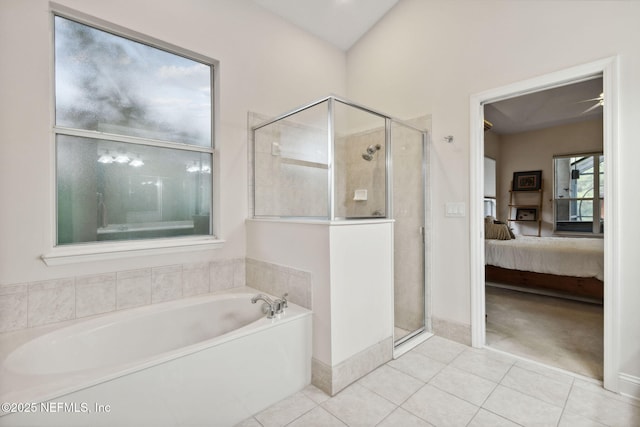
column 428, row 57
column 266, row 65
column 361, row 287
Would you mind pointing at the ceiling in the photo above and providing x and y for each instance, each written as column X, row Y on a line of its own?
column 340, row 22
column 547, row 108
column 344, row 22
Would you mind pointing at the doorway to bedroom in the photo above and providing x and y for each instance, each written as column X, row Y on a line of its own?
column 543, row 278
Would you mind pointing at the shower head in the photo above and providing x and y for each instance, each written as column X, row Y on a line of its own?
column 371, row 150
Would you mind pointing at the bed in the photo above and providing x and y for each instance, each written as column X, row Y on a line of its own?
column 566, row 266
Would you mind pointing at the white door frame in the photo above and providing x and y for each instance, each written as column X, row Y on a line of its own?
column 608, row 68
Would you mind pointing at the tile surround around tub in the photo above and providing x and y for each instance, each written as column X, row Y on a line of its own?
column 95, row 294
column 133, row 288
column 277, row 279
column 27, row 305
column 51, row 301
column 13, row 307
column 166, row 283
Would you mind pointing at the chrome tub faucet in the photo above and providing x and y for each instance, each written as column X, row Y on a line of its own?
column 271, row 307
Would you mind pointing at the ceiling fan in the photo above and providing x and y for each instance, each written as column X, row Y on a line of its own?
column 599, row 102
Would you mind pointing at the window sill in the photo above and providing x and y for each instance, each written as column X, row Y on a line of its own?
column 74, row 254
column 577, row 234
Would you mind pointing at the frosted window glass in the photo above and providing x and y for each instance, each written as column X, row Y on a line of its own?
column 115, row 85
column 156, row 193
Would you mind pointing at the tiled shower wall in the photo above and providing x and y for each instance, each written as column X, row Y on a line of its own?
column 290, row 177
column 27, row 305
column 354, row 173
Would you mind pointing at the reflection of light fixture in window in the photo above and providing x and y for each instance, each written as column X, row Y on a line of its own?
column 193, row 168
column 122, row 158
column 137, row 162
column 105, row 158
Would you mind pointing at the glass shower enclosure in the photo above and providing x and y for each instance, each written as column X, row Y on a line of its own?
column 335, row 160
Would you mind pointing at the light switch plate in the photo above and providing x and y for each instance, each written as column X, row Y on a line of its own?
column 454, row 209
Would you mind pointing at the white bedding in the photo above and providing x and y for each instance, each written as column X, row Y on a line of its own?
column 564, row 256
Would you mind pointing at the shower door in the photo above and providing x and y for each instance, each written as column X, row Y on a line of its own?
column 408, row 146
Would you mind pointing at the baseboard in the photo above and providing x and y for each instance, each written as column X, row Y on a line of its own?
column 543, row 292
column 629, row 385
column 333, row 379
column 454, row 331
column 321, row 375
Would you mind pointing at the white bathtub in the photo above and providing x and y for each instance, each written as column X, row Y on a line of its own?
column 211, row 360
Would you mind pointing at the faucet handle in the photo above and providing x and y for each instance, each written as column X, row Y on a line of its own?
column 284, row 300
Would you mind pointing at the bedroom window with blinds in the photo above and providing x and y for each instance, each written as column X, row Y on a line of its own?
column 579, row 193
column 133, row 136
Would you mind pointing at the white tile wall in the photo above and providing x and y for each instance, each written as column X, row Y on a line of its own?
column 133, row 288
column 166, row 283
column 13, row 307
column 195, row 279
column 277, row 279
column 95, row 294
column 26, row 305
column 51, row 301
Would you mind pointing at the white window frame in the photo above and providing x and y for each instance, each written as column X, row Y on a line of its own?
column 83, row 252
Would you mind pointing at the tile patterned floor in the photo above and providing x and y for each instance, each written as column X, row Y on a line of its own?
column 444, row 383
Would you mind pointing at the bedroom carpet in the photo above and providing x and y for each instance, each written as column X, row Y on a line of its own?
column 558, row 332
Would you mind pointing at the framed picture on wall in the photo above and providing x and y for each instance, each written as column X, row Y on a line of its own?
column 526, row 214
column 527, row 181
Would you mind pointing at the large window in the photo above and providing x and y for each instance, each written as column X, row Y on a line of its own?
column 579, row 193
column 134, row 138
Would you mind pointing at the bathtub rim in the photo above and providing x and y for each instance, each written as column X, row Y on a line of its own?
column 56, row 387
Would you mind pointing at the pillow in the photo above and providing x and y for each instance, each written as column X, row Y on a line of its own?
column 496, row 231
column 513, row 236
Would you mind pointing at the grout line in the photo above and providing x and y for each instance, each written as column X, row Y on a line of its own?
column 420, row 379
column 388, row 415
column 489, row 395
column 501, row 416
column 564, row 406
column 305, row 413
